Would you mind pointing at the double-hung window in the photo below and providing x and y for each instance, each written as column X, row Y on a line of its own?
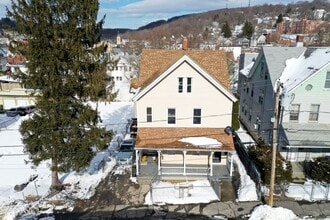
column 184, row 84
column 327, row 80
column 180, row 85
column 149, row 114
column 314, row 113
column 171, row 116
column 294, row 112
column 197, row 119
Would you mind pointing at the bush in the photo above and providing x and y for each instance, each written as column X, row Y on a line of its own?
column 235, row 119
column 319, row 169
column 262, row 156
column 1, row 109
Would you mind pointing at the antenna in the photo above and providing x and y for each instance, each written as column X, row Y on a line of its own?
column 249, row 3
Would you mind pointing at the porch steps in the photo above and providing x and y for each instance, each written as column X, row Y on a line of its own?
column 298, row 174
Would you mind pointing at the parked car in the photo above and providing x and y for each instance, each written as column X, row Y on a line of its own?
column 21, row 111
column 13, row 112
column 126, row 152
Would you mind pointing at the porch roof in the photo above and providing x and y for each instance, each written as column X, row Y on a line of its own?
column 168, row 138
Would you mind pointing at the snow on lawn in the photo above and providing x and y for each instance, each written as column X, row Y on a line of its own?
column 266, row 212
column 195, row 192
column 308, row 191
column 16, row 170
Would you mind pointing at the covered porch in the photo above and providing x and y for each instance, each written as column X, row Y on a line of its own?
column 175, row 157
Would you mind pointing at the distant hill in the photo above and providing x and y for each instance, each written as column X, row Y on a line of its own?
column 200, row 24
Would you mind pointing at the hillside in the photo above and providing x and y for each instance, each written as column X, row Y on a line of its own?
column 201, row 24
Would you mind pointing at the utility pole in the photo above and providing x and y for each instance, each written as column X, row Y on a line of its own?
column 274, row 150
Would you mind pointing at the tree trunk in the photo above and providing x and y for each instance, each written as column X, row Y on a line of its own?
column 56, row 184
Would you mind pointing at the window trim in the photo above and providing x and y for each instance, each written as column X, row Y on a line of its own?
column 294, row 113
column 327, row 80
column 314, row 114
column 149, row 114
column 171, row 117
column 180, row 85
column 197, row 118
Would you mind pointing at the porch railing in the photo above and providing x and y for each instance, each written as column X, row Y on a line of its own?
column 189, row 170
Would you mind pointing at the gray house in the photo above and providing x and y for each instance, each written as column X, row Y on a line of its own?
column 304, row 130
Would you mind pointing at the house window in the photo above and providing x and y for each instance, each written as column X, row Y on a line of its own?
column 149, row 114
column 171, row 116
column 314, row 113
column 327, row 80
column 197, row 116
column 184, row 83
column 294, row 112
column 189, row 85
column 252, row 90
column 180, row 84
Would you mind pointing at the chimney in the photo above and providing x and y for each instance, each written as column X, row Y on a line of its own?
column 185, row 44
column 299, row 41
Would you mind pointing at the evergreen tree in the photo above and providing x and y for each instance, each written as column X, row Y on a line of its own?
column 279, row 18
column 67, row 68
column 226, row 30
column 247, row 30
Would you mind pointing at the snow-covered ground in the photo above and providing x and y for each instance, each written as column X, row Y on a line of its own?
column 16, row 170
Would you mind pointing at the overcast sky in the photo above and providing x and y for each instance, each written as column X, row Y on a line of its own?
column 136, row 13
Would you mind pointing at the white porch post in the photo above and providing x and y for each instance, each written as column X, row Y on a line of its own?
column 211, row 163
column 184, row 162
column 231, row 164
column 137, row 156
column 159, row 158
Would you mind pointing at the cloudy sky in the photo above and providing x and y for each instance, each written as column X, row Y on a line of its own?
column 136, row 13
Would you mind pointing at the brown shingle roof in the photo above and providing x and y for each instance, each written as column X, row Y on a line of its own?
column 155, row 62
column 168, row 138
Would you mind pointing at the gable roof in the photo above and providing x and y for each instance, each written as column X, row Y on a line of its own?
column 156, row 64
column 276, row 59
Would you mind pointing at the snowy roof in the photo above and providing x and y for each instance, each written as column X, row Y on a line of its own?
column 202, row 139
column 276, row 59
column 7, row 78
column 301, row 68
column 247, row 69
column 246, row 59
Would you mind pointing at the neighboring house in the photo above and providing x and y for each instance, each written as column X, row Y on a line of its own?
column 182, row 107
column 12, row 93
column 258, row 40
column 122, row 72
column 304, row 130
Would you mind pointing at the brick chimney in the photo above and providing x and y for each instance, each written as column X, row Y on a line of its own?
column 184, row 43
column 299, row 41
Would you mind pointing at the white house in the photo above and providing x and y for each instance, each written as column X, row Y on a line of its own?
column 183, row 106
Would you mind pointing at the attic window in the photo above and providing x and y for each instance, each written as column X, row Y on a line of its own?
column 184, row 84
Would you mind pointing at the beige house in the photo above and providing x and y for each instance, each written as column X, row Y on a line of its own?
column 13, row 94
column 183, row 105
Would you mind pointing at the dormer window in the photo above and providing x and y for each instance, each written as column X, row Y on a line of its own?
column 184, row 84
